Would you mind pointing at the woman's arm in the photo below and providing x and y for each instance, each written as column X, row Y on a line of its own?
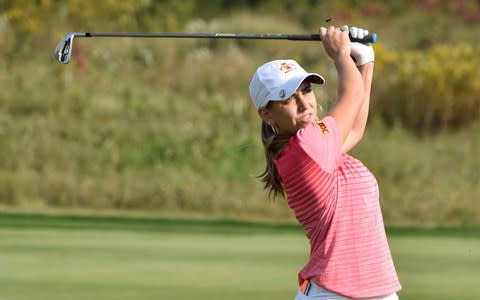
column 358, row 128
column 350, row 83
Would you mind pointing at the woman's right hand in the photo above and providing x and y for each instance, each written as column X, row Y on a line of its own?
column 336, row 42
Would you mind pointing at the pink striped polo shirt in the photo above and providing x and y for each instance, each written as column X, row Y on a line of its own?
column 335, row 198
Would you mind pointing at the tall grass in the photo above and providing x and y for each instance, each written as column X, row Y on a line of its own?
column 426, row 181
column 167, row 125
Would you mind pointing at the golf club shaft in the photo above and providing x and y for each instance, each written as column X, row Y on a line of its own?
column 63, row 51
column 371, row 38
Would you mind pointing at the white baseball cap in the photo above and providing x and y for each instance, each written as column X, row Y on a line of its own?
column 278, row 80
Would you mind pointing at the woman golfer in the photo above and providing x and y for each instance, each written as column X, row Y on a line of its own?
column 333, row 195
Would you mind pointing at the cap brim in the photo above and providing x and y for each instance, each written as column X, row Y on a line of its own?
column 314, row 78
column 290, row 87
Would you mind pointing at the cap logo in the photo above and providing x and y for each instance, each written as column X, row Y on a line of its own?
column 286, row 67
column 282, row 93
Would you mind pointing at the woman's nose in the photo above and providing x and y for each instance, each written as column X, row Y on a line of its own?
column 301, row 103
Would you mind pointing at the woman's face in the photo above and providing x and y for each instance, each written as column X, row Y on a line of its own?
column 290, row 115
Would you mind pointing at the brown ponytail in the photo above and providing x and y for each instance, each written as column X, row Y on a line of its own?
column 273, row 144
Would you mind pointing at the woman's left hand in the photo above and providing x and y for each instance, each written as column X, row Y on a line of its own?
column 361, row 53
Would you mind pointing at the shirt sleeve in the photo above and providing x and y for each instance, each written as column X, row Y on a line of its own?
column 320, row 141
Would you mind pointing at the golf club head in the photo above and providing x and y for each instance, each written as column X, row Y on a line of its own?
column 63, row 51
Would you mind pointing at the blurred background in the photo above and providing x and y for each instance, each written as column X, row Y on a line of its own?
column 164, row 128
column 166, row 125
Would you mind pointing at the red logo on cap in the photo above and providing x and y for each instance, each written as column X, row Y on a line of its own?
column 286, row 67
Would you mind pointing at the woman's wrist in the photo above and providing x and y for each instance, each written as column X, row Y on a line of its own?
column 344, row 60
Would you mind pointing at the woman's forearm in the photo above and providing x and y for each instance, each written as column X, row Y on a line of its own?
column 367, row 76
column 360, row 122
column 350, row 96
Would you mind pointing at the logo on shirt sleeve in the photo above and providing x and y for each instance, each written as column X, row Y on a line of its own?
column 323, row 128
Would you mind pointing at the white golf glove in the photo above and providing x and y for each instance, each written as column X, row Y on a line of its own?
column 361, row 53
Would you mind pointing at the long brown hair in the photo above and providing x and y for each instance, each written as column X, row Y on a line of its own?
column 273, row 144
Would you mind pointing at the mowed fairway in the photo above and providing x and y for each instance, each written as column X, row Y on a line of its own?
column 61, row 260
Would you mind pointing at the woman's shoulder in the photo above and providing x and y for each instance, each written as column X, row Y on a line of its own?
column 324, row 128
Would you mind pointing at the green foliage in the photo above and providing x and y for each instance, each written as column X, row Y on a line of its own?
column 167, row 126
column 429, row 90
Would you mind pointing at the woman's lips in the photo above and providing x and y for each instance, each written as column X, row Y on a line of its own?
column 306, row 119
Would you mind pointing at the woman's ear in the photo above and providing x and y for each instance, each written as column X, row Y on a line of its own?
column 263, row 113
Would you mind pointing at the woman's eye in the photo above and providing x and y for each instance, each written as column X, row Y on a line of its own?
column 307, row 90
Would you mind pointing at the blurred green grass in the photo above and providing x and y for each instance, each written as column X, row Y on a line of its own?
column 68, row 257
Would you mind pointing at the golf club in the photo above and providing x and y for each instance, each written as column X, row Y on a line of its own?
column 63, row 51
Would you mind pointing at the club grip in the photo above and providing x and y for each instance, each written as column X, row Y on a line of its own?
column 371, row 38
